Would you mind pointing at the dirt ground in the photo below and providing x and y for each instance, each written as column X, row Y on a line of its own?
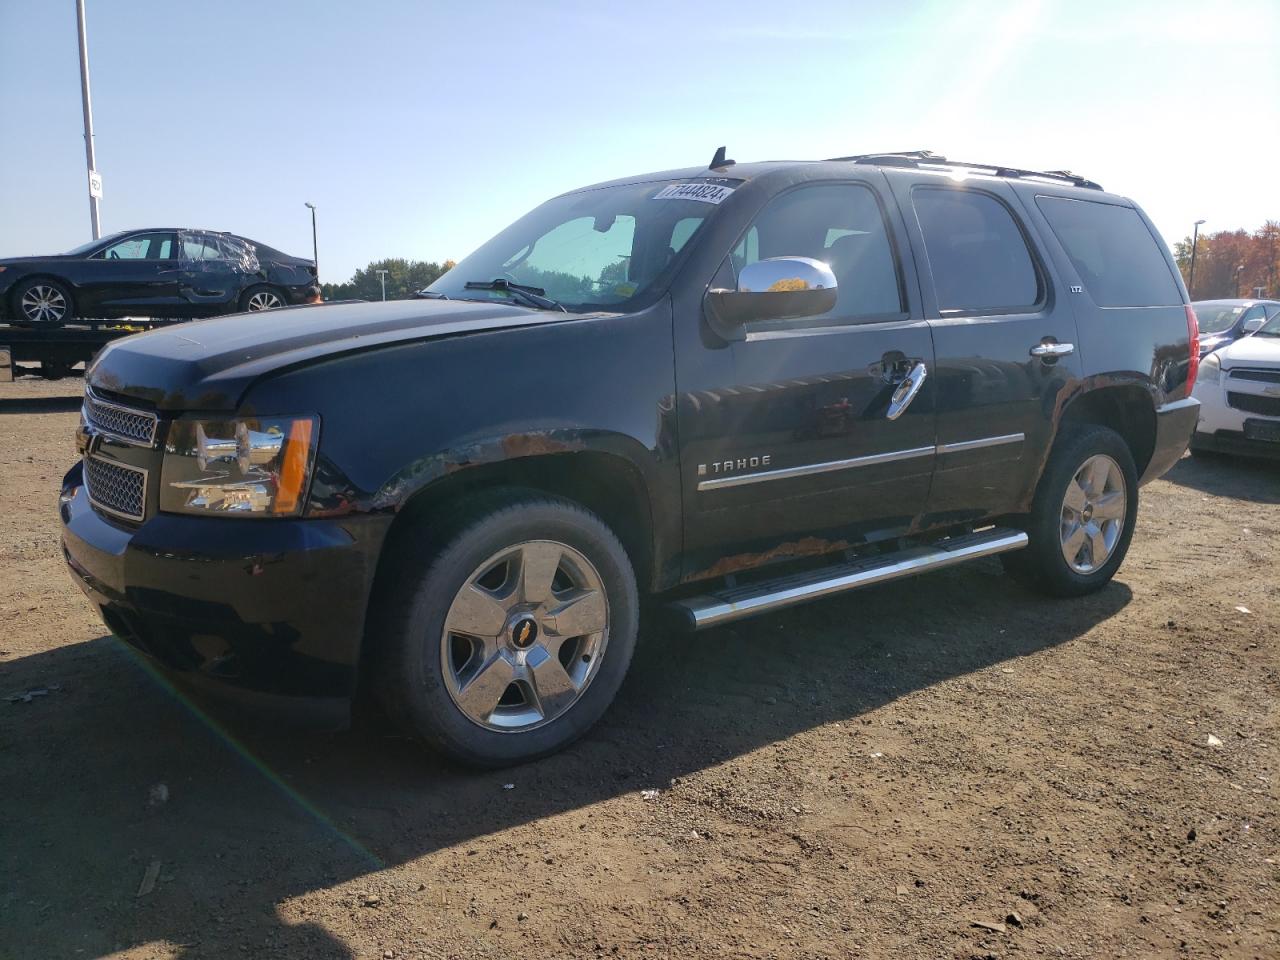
column 865, row 777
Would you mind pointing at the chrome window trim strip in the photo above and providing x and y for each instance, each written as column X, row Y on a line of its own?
column 963, row 445
column 811, row 469
column 91, row 397
column 783, row 473
column 88, row 489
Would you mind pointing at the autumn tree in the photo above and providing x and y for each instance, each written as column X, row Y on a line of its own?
column 1233, row 263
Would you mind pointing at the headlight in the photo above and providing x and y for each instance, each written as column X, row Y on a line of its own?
column 1210, row 369
column 244, row 467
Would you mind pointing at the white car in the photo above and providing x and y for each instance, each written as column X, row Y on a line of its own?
column 1239, row 393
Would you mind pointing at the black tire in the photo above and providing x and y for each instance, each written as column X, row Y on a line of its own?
column 256, row 293
column 1043, row 565
column 52, row 292
column 409, row 659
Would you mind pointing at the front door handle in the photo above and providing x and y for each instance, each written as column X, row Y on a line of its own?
column 1049, row 350
column 906, row 391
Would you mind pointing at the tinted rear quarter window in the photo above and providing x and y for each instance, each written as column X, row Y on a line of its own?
column 1117, row 257
column 977, row 253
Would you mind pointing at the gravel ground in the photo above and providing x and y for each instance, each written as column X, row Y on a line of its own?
column 944, row 767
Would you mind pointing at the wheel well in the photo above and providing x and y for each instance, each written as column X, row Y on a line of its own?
column 263, row 285
column 606, row 485
column 1127, row 410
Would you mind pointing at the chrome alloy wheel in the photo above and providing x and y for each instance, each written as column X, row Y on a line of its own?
column 44, row 304
column 1093, row 513
column 525, row 636
column 264, row 300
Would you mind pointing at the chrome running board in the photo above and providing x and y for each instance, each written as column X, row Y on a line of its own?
column 735, row 603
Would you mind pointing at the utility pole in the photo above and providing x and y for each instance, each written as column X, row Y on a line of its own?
column 382, row 275
column 315, row 246
column 95, row 182
column 1191, row 281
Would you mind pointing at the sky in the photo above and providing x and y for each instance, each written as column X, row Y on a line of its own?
column 420, row 129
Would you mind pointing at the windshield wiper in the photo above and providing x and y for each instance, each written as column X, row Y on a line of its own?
column 529, row 296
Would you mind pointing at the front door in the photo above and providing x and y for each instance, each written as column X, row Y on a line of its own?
column 787, row 448
column 132, row 276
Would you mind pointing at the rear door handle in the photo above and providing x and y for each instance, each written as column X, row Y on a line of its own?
column 1050, row 350
column 906, row 391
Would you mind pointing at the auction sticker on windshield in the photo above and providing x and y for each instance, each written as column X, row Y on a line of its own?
column 703, row 192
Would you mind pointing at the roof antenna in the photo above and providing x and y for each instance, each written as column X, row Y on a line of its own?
column 719, row 161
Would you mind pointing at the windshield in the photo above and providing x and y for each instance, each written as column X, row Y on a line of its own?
column 1271, row 328
column 86, row 247
column 1216, row 317
column 612, row 248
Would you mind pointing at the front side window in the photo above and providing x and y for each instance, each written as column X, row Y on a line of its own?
column 977, row 253
column 842, row 225
column 1116, row 256
column 609, row 248
column 146, row 246
column 1256, row 312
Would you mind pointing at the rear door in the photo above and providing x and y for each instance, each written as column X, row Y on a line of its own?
column 1004, row 334
column 211, row 278
column 1130, row 306
column 786, row 446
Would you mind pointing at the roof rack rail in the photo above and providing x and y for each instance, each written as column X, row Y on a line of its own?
column 927, row 158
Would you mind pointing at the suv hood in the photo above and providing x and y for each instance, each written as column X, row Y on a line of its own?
column 1251, row 350
column 209, row 364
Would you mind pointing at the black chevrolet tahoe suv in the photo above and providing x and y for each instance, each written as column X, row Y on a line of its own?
column 738, row 387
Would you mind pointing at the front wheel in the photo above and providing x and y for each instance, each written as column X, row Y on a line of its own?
column 44, row 302
column 512, row 640
column 1083, row 515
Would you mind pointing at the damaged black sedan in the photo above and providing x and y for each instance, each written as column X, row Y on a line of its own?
column 158, row 272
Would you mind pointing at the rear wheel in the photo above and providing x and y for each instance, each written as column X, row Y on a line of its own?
column 44, row 302
column 1083, row 515
column 511, row 641
column 262, row 298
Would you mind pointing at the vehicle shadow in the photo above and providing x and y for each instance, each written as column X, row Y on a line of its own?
column 40, row 404
column 1237, row 477
column 256, row 814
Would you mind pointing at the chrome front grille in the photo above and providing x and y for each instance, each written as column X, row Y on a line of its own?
column 137, row 427
column 115, row 488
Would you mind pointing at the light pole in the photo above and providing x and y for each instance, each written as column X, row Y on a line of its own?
column 95, row 182
column 315, row 246
column 382, row 275
column 1195, row 237
column 1239, row 270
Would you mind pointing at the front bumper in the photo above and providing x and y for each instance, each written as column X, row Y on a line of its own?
column 1235, row 443
column 1175, row 423
column 270, row 607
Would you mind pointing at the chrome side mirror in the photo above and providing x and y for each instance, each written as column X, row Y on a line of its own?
column 1254, row 325
column 782, row 288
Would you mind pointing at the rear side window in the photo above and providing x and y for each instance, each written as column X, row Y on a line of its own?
column 977, row 253
column 1118, row 259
